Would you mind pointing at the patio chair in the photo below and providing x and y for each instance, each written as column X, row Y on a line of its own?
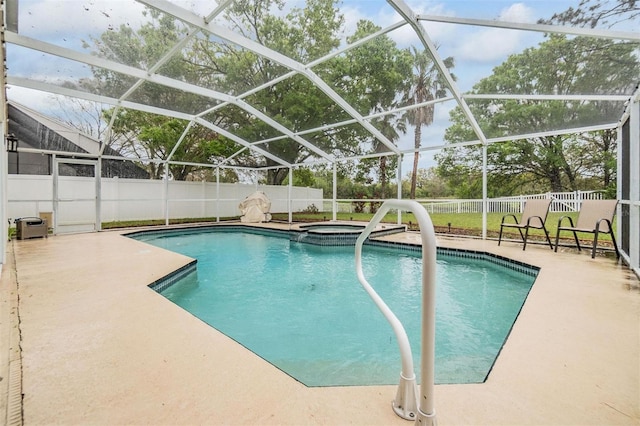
column 533, row 216
column 595, row 216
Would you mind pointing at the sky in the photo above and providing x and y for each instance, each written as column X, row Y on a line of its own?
column 477, row 50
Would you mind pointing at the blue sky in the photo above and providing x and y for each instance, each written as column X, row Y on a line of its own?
column 476, row 50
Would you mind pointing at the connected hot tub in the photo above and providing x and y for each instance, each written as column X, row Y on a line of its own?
column 332, row 228
column 338, row 234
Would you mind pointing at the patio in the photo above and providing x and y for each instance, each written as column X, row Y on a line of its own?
column 99, row 347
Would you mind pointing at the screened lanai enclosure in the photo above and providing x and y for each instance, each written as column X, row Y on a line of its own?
column 167, row 107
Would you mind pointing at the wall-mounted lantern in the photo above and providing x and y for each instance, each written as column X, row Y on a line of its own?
column 12, row 143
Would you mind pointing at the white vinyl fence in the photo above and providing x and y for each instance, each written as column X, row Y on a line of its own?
column 139, row 199
column 562, row 202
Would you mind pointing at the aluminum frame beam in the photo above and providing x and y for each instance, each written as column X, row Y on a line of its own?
column 226, row 34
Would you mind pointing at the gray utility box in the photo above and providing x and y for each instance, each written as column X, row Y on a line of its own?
column 31, row 227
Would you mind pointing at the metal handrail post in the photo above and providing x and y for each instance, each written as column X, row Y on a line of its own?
column 406, row 402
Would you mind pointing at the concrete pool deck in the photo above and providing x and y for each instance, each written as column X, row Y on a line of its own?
column 99, row 347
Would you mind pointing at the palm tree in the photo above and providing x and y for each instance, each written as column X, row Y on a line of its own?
column 427, row 84
column 389, row 126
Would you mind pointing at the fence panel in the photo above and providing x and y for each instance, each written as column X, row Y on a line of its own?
column 141, row 199
column 562, row 202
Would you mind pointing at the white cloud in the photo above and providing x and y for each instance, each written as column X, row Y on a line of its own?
column 69, row 21
column 406, row 36
column 461, row 41
column 465, row 43
column 518, row 12
column 36, row 100
column 384, row 15
column 493, row 44
column 352, row 16
column 202, row 8
column 488, row 45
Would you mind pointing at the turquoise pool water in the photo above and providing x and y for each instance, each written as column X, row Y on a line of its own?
column 301, row 307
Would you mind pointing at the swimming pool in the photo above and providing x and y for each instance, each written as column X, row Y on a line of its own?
column 301, row 307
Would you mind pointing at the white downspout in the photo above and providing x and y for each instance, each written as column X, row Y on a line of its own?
column 217, row 193
column 166, row 193
column 289, row 195
column 334, row 205
column 98, row 172
column 399, row 189
column 484, row 191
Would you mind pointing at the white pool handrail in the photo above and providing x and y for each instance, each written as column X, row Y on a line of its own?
column 406, row 404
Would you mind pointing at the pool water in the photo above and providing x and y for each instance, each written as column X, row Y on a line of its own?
column 301, row 307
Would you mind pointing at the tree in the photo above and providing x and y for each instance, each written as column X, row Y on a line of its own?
column 84, row 116
column 143, row 48
column 387, row 165
column 366, row 77
column 304, row 35
column 600, row 158
column 593, row 13
column 427, row 84
column 149, row 136
column 377, row 71
column 428, row 184
column 557, row 66
column 302, row 176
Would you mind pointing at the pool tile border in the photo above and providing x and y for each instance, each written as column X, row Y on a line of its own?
column 512, row 264
column 167, row 281
column 210, row 228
